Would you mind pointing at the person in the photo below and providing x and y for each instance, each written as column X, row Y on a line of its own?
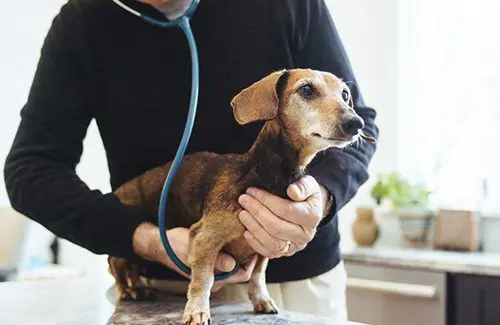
column 100, row 62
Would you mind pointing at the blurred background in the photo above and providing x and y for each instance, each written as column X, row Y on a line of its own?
column 429, row 215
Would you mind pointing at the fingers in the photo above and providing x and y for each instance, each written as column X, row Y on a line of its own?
column 305, row 214
column 304, row 188
column 258, row 246
column 276, row 204
column 243, row 274
column 261, row 248
column 225, row 263
column 245, row 271
column 294, row 248
column 272, row 244
column 271, row 230
column 179, row 240
column 217, row 286
column 283, row 208
column 265, row 251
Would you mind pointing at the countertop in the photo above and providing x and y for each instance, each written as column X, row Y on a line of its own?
column 83, row 302
column 477, row 263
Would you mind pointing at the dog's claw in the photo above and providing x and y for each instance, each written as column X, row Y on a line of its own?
column 265, row 306
column 136, row 294
column 197, row 318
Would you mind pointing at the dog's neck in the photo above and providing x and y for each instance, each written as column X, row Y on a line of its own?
column 273, row 163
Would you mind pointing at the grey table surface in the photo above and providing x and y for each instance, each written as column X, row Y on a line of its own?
column 84, row 302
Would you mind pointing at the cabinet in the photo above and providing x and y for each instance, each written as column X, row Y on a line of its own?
column 474, row 300
column 387, row 295
column 381, row 295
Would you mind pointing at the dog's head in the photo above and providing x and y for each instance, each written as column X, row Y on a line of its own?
column 313, row 108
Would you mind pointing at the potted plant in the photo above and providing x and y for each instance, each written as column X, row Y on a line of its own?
column 409, row 202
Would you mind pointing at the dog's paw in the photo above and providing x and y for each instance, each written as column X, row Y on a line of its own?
column 265, row 306
column 196, row 318
column 137, row 294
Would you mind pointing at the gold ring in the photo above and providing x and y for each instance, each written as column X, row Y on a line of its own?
column 287, row 247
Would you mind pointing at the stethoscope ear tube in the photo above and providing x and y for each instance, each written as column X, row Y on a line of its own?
column 183, row 23
column 163, row 23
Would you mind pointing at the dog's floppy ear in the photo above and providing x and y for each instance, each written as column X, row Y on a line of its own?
column 259, row 101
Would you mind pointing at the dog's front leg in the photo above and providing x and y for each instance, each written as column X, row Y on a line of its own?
column 202, row 257
column 257, row 289
column 197, row 311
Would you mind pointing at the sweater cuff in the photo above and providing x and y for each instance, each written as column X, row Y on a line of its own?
column 127, row 221
column 332, row 204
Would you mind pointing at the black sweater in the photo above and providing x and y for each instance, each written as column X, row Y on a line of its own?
column 100, row 62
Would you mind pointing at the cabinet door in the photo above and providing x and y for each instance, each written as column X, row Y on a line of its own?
column 378, row 295
column 476, row 300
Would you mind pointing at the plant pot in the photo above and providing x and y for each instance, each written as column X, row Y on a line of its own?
column 365, row 230
column 415, row 222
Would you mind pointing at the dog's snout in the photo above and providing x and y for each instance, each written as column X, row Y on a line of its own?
column 352, row 125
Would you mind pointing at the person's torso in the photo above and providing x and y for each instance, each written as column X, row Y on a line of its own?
column 143, row 77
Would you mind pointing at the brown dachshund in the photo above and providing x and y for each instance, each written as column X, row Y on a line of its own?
column 306, row 112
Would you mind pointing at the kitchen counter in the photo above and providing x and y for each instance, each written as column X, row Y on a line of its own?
column 85, row 302
column 476, row 263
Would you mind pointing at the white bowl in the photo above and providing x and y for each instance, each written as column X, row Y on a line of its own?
column 415, row 222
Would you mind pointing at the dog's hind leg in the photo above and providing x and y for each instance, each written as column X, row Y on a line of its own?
column 257, row 289
column 127, row 281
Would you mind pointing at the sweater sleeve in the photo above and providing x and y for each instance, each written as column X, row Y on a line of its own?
column 341, row 171
column 40, row 168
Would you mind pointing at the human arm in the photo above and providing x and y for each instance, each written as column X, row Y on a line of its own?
column 40, row 168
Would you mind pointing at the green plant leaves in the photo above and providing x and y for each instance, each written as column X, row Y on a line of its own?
column 395, row 188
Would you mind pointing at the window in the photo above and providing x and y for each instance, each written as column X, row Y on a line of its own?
column 449, row 100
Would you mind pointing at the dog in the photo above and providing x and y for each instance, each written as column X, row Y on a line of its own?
column 306, row 112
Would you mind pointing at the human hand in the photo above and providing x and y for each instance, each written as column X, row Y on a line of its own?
column 279, row 227
column 147, row 243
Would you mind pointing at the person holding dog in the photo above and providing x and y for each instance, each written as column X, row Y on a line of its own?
column 100, row 63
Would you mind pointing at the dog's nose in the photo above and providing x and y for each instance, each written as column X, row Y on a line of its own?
column 353, row 125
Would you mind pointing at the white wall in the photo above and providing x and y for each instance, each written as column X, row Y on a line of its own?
column 367, row 27
column 23, row 25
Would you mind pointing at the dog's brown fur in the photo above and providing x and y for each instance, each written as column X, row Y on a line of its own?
column 204, row 196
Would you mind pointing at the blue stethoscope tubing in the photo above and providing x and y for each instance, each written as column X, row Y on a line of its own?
column 183, row 23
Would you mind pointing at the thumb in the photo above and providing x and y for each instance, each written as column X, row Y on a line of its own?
column 225, row 262
column 302, row 189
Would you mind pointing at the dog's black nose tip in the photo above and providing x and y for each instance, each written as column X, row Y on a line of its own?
column 353, row 125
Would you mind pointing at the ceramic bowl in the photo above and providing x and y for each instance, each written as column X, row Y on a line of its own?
column 415, row 223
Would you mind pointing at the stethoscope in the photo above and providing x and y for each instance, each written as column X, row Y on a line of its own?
column 183, row 23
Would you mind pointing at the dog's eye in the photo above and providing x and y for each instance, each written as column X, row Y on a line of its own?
column 306, row 91
column 345, row 95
